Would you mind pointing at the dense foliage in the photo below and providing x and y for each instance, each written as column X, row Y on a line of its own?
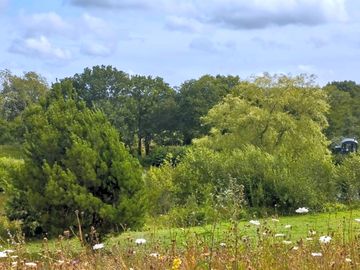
column 74, row 161
column 214, row 147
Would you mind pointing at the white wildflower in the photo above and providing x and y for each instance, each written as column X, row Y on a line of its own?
column 254, row 222
column 154, row 254
column 288, row 226
column 309, row 238
column 302, row 210
column 348, row 260
column 316, row 254
column 279, row 235
column 295, row 248
column 222, row 244
column 286, row 242
column 312, row 232
column 275, row 220
column 325, row 239
column 98, row 246
column 30, row 264
column 140, row 241
column 357, row 220
column 3, row 254
column 9, row 251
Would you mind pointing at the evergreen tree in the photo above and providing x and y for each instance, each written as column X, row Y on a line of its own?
column 75, row 161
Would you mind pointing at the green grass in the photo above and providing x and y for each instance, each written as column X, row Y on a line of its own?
column 340, row 225
column 323, row 224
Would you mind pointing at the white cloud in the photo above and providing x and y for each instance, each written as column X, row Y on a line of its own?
column 49, row 23
column 97, row 26
column 235, row 14
column 243, row 14
column 121, row 4
column 183, row 24
column 39, row 47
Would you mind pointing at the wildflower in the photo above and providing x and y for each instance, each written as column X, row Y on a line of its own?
column 3, row 254
column 279, row 235
column 222, row 244
column 31, row 264
column 254, row 222
column 275, row 220
column 316, row 254
column 302, row 210
column 286, row 242
column 176, row 264
column 98, row 246
column 348, row 260
column 8, row 251
column 140, row 241
column 295, row 248
column 357, row 220
column 288, row 226
column 154, row 254
column 325, row 239
column 309, row 239
column 14, row 264
column 312, row 232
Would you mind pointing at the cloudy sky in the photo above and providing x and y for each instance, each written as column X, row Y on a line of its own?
column 182, row 39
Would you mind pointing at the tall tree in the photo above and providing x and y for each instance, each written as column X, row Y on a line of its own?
column 268, row 134
column 18, row 92
column 196, row 97
column 75, row 161
column 153, row 106
column 344, row 114
column 140, row 107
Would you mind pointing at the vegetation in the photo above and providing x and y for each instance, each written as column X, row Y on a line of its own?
column 108, row 152
column 74, row 160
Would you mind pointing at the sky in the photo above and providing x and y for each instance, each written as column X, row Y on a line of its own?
column 180, row 40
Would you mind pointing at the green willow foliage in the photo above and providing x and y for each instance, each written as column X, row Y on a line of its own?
column 268, row 135
column 75, row 161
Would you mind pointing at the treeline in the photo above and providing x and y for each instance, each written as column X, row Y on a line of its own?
column 209, row 146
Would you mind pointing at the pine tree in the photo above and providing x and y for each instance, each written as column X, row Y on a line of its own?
column 75, row 161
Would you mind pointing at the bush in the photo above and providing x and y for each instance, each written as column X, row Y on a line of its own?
column 269, row 181
column 347, row 179
column 9, row 228
column 8, row 167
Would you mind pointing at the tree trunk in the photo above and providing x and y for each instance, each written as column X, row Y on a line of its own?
column 147, row 144
column 139, row 145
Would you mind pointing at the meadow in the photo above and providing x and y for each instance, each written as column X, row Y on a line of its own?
column 301, row 241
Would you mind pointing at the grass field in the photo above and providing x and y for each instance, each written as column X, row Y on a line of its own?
column 277, row 243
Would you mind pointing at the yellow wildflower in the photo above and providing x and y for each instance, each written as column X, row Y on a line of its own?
column 176, row 264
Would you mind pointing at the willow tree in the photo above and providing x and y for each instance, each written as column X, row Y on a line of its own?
column 268, row 134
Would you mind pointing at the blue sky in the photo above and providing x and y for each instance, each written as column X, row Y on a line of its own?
column 184, row 39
